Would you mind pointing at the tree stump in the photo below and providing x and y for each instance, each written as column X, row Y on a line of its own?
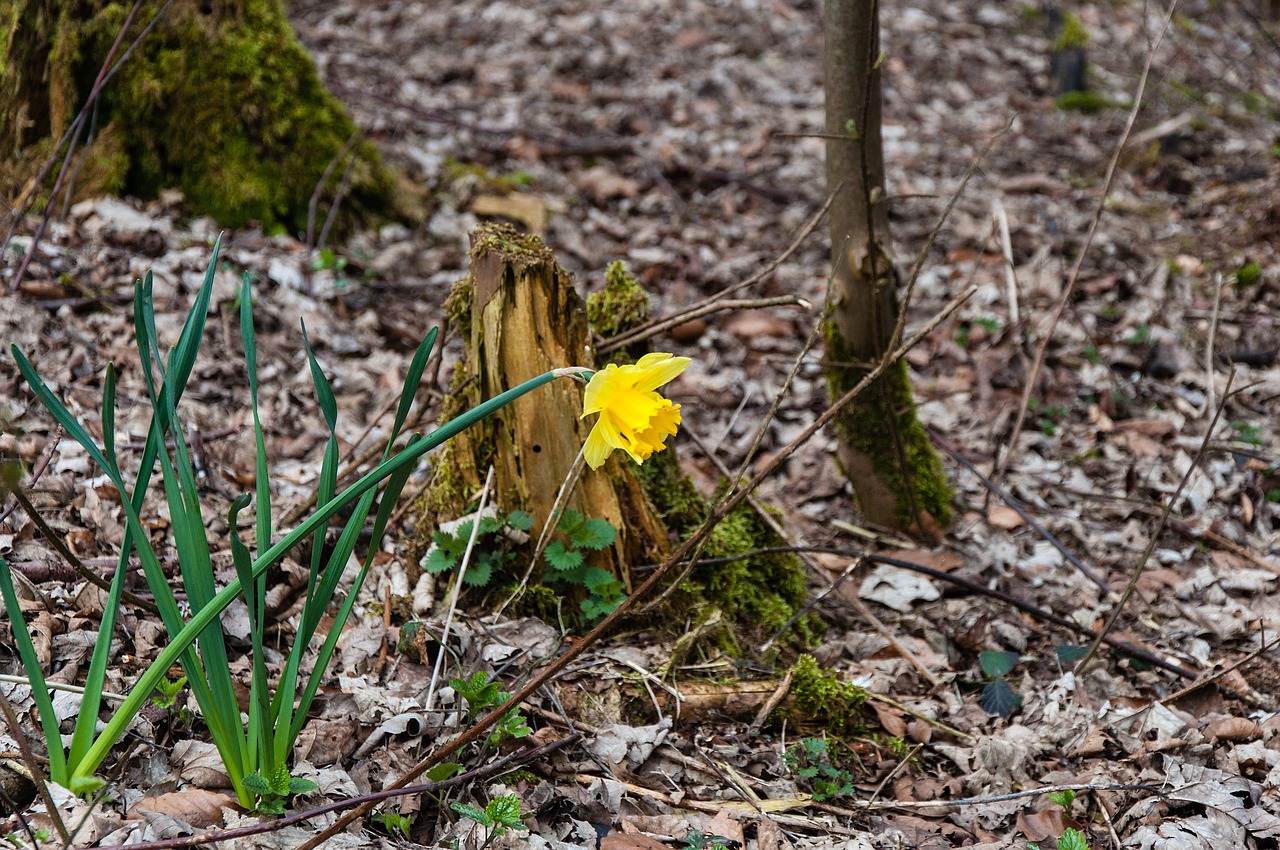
column 219, row 100
column 519, row 316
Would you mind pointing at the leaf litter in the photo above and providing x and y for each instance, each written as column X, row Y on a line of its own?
column 655, row 134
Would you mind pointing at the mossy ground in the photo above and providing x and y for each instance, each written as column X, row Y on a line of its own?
column 820, row 697
column 220, row 100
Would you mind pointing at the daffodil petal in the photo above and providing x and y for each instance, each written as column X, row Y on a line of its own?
column 600, row 386
column 597, row 449
column 657, row 369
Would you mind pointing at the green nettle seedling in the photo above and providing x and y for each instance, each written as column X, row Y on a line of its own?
column 696, row 839
column 492, row 552
column 501, row 814
column 480, row 694
column 811, row 760
column 255, row 752
column 567, row 570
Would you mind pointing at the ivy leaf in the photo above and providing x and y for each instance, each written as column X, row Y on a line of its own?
column 999, row 699
column 563, row 559
column 997, row 664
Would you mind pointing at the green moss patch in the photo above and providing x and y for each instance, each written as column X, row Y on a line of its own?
column 220, row 100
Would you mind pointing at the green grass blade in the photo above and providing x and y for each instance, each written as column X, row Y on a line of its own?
column 262, row 472
column 91, row 702
column 411, row 381
column 39, row 690
column 199, row 621
column 391, row 494
column 258, row 689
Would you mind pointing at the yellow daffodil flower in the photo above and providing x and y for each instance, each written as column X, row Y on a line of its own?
column 633, row 417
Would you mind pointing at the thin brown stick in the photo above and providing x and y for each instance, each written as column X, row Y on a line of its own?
column 1141, row 566
column 52, row 538
column 698, row 312
column 497, row 766
column 646, row 330
column 1013, row 503
column 1074, row 275
column 694, row 541
column 33, row 768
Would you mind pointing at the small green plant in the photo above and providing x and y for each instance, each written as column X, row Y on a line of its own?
column 1247, row 275
column 492, row 551
column 502, row 813
column 1138, row 336
column 998, row 697
column 1046, row 417
column 1071, row 839
column 480, row 694
column 1273, row 496
column 272, row 791
column 19, row 840
column 1247, row 433
column 810, row 759
column 393, row 823
column 696, row 839
column 166, row 695
column 567, row 568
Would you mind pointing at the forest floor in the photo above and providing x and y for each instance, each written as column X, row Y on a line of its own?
column 677, row 137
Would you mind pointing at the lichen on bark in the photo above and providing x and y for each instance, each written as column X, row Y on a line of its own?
column 219, row 100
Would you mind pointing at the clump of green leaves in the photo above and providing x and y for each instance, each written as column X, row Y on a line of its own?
column 272, row 791
column 567, row 568
column 696, row 839
column 393, row 823
column 566, row 572
column 481, row 694
column 493, row 549
column 502, row 813
column 811, row 760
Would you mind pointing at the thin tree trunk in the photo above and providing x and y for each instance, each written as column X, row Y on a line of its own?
column 882, row 447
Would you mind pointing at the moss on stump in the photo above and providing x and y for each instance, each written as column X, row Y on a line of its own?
column 219, row 100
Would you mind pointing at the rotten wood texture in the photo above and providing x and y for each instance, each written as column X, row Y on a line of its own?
column 524, row 317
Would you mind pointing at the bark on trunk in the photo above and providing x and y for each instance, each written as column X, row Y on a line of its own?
column 882, row 447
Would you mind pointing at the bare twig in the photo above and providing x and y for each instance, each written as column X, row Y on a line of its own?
column 33, row 767
column 647, row 329
column 1074, row 275
column 494, row 767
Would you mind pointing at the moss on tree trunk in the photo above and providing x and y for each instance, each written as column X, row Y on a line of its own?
column 219, row 100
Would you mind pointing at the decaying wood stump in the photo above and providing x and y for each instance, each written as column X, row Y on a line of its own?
column 520, row 316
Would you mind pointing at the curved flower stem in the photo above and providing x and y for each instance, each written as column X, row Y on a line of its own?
column 201, row 620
